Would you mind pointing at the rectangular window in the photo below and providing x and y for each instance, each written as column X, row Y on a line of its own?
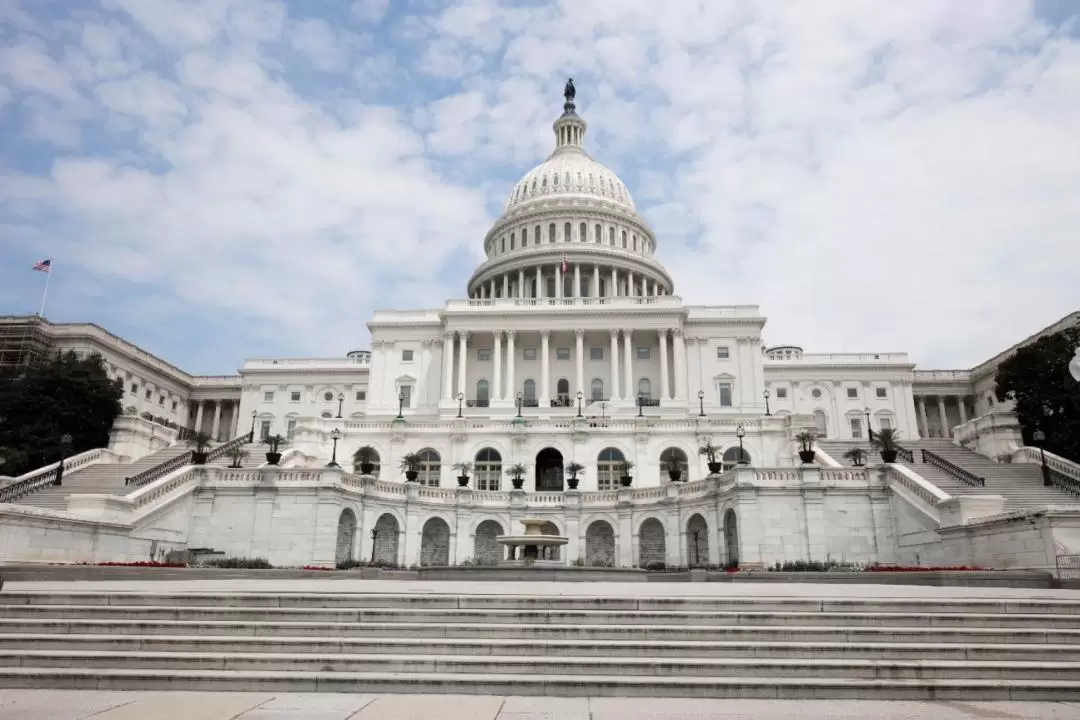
column 148, row 394
column 483, row 354
column 134, row 388
column 502, row 245
column 781, row 393
column 174, row 405
column 406, row 355
column 161, row 400
column 562, row 353
column 294, row 396
column 852, row 393
column 268, row 396
column 885, row 423
column 264, row 430
column 882, row 392
column 528, row 353
column 643, row 353
column 290, row 429
column 406, row 390
column 361, row 395
column 723, row 394
column 856, row 427
column 596, row 353
column 722, row 352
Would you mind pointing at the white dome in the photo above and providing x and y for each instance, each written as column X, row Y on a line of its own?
column 570, row 171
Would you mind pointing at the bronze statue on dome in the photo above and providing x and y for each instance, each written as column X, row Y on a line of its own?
column 569, row 92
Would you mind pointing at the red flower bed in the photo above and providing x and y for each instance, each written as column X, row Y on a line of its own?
column 317, row 567
column 140, row 563
column 923, row 568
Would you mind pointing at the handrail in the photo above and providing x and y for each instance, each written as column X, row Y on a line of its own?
column 164, row 468
column 37, row 479
column 901, row 452
column 1061, row 480
column 955, row 471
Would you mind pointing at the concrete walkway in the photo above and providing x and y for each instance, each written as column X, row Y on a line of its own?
column 82, row 705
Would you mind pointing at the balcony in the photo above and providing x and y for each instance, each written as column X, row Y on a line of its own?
column 544, row 304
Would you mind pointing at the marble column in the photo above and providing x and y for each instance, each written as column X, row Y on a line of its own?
column 463, row 342
column 614, row 365
column 521, row 284
column 506, row 285
column 664, row 394
column 628, row 362
column 595, row 281
column 217, row 420
column 539, row 283
column 961, row 405
column 558, row 282
column 199, row 415
column 511, row 382
column 579, row 351
column 613, row 291
column 491, row 288
column 448, row 366
column 922, row 416
column 630, row 284
column 545, row 390
column 945, row 432
column 680, row 364
column 577, row 281
column 497, row 393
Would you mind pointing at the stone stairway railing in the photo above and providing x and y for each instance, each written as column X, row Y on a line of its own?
column 916, row 485
column 37, row 479
column 168, row 466
column 1062, row 473
column 954, row 471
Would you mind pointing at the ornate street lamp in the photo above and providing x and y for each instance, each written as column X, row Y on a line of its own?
column 521, row 399
column 251, row 435
column 767, row 395
column 340, row 402
column 335, row 435
column 740, row 433
column 579, row 397
column 65, row 443
column 701, row 403
column 869, row 432
column 460, row 399
column 640, row 404
column 374, row 536
column 400, row 404
column 1039, row 437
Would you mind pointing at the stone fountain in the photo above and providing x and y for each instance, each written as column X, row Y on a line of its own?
column 531, row 548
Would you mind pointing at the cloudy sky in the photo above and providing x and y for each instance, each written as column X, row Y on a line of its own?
column 219, row 179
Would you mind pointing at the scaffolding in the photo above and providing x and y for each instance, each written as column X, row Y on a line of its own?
column 25, row 340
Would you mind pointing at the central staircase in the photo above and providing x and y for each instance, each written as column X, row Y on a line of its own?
column 764, row 647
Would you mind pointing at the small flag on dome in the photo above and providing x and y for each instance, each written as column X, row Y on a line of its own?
column 565, row 264
column 43, row 265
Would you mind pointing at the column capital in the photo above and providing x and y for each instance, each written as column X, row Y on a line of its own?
column 579, row 332
column 463, row 335
column 545, row 334
column 510, row 334
column 677, row 332
column 614, row 333
column 627, row 332
column 662, row 333
column 449, row 335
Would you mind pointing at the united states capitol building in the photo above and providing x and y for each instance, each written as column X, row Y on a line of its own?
column 570, row 345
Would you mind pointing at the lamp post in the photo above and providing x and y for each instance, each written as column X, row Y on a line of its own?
column 374, row 536
column 400, row 404
column 340, row 402
column 251, row 435
column 579, row 397
column 767, row 395
column 65, row 442
column 1039, row 437
column 741, row 433
column 520, row 399
column 701, row 403
column 335, row 435
column 460, row 400
column 640, row 404
column 869, row 432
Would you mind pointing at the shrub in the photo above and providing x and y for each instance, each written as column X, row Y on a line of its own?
column 349, row 564
column 239, row 563
column 141, row 563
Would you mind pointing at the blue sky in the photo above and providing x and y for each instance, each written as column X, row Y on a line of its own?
column 220, row 179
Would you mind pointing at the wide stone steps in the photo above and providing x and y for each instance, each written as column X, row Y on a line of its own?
column 961, row 649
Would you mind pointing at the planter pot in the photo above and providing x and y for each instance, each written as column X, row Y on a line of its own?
column 199, row 458
column 888, row 456
column 236, row 466
column 806, row 457
column 273, row 458
column 625, row 480
column 411, row 475
column 715, row 467
column 463, row 480
column 571, row 483
column 367, row 468
column 675, row 475
column 518, row 482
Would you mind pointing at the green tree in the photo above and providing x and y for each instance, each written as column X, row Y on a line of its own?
column 1047, row 398
column 39, row 404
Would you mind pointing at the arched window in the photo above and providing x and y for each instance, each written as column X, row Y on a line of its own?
column 430, row 465
column 487, row 469
column 482, row 393
column 611, row 236
column 731, row 458
column 635, row 241
column 584, row 232
column 513, row 239
column 529, row 393
column 644, row 389
column 524, row 237
column 597, row 394
column 624, row 239
column 609, row 468
column 821, row 423
column 551, row 233
column 555, row 180
column 562, row 389
column 536, row 235
column 566, row 232
column 599, row 234
column 673, row 459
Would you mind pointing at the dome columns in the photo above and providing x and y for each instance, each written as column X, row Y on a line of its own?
column 581, row 280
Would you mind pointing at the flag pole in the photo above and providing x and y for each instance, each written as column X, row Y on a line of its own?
column 45, row 293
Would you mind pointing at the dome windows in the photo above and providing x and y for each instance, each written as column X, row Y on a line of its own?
column 554, row 180
column 584, row 231
column 513, row 237
column 566, row 232
column 551, row 233
column 524, row 237
column 599, row 234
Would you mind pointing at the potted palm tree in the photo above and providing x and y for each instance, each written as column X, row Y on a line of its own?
column 675, row 471
column 463, row 470
column 276, row 442
column 410, row 465
column 573, row 468
column 364, row 460
column 856, row 455
column 625, row 469
column 517, row 475
column 886, row 439
column 201, row 442
column 238, row 454
column 806, row 446
column 710, row 451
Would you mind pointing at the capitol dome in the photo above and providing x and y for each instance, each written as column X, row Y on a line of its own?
column 569, row 229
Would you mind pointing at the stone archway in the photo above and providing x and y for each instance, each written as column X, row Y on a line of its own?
column 549, row 470
column 550, row 553
column 697, row 541
column 600, row 544
column 652, row 545
column 386, row 540
column 731, row 536
column 435, row 543
column 486, row 551
column 346, row 534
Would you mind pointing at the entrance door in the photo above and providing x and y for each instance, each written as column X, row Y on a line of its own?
column 549, row 470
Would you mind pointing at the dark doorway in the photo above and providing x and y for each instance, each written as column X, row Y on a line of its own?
column 549, row 470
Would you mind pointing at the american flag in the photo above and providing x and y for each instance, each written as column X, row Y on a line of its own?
column 43, row 265
column 565, row 264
